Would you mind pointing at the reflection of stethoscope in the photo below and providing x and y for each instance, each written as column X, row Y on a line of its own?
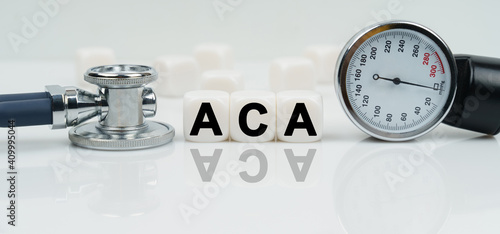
column 122, row 104
column 398, row 80
column 112, row 184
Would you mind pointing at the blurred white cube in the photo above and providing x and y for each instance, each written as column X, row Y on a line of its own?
column 214, row 56
column 224, row 80
column 177, row 74
column 325, row 60
column 88, row 57
column 292, row 73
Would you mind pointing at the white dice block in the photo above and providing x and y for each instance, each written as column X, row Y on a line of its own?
column 253, row 116
column 292, row 73
column 225, row 80
column 300, row 116
column 206, row 116
column 177, row 74
column 214, row 56
column 88, row 57
column 325, row 59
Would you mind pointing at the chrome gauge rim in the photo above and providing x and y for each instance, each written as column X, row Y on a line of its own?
column 343, row 66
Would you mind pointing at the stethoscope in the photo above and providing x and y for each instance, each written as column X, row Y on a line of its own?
column 121, row 105
column 396, row 81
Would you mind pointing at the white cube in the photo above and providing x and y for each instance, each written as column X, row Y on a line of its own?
column 88, row 57
column 253, row 116
column 206, row 116
column 325, row 59
column 225, row 80
column 300, row 116
column 292, row 73
column 177, row 74
column 214, row 56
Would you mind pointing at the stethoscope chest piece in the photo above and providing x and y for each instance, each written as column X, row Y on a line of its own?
column 123, row 104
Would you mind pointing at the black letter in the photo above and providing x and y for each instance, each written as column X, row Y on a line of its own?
column 206, row 109
column 300, row 109
column 243, row 119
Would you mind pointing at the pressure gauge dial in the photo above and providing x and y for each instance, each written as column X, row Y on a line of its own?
column 396, row 80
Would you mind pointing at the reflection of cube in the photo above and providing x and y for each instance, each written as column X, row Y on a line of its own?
column 299, row 165
column 252, row 116
column 207, row 163
column 300, row 116
column 325, row 59
column 91, row 57
column 255, row 164
column 176, row 75
column 214, row 56
column 206, row 116
column 292, row 73
column 225, row 80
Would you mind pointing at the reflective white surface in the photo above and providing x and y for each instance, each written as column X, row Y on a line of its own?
column 447, row 181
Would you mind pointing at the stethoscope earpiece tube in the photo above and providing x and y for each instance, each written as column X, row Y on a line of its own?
column 477, row 101
column 26, row 109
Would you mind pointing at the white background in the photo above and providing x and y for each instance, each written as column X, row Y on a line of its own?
column 454, row 188
column 258, row 29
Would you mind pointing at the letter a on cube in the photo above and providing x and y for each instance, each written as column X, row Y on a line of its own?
column 206, row 116
column 300, row 116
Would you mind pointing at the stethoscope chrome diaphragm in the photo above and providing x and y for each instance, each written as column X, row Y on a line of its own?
column 121, row 122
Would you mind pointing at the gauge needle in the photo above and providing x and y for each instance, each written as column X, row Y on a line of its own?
column 398, row 81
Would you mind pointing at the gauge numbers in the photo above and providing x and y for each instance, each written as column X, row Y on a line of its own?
column 396, row 80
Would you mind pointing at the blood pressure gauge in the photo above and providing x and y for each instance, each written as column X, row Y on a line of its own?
column 398, row 80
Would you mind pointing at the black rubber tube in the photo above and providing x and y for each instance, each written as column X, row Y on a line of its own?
column 26, row 109
column 477, row 102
